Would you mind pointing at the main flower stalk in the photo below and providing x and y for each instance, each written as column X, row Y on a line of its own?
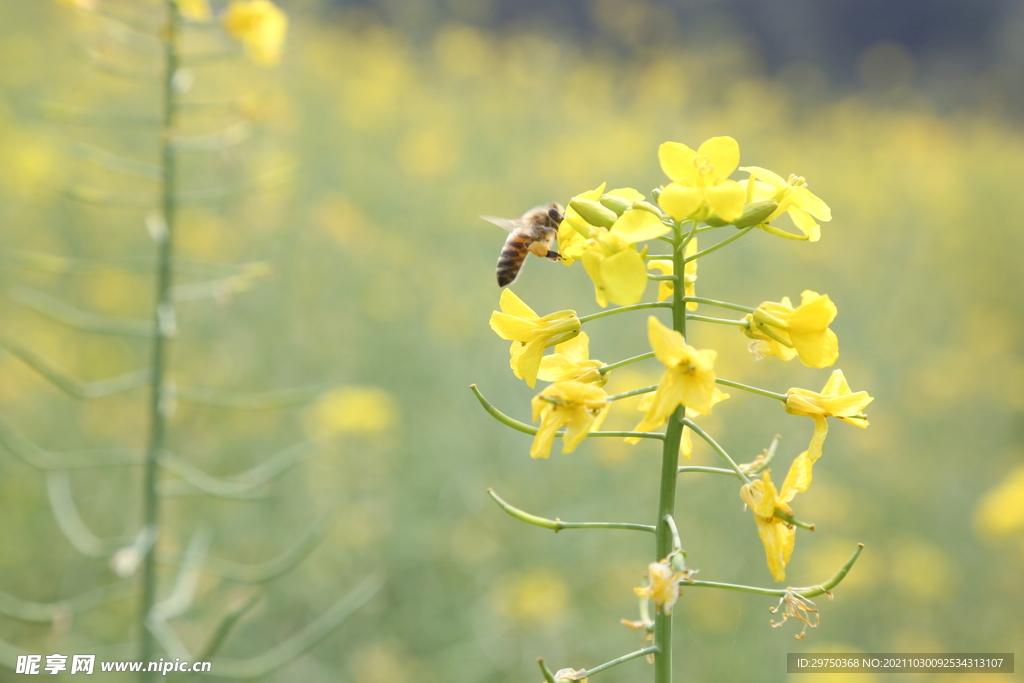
column 669, row 471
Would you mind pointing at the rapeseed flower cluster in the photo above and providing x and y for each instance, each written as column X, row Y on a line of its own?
column 617, row 235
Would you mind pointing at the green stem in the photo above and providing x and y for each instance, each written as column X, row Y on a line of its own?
column 623, row 309
column 709, row 470
column 623, row 658
column 677, row 545
column 805, row 592
column 611, row 366
column 557, row 525
column 634, row 392
column 726, row 241
column 716, row 447
column 717, row 321
column 715, row 302
column 753, row 390
column 162, row 329
column 530, row 429
column 669, row 469
column 653, row 276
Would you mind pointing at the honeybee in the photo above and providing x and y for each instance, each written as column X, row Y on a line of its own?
column 534, row 232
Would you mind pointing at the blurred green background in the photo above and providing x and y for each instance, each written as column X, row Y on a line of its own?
column 371, row 152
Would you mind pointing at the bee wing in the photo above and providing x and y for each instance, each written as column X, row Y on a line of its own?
column 508, row 224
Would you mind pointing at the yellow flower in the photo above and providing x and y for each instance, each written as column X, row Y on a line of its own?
column 664, row 585
column 80, row 4
column 352, row 410
column 665, row 287
column 571, row 361
column 700, row 187
column 835, row 400
column 761, row 497
column 195, row 10
column 579, row 407
column 260, row 25
column 686, row 438
column 780, row 330
column 793, row 197
column 574, row 230
column 689, row 377
column 1001, row 510
column 530, row 333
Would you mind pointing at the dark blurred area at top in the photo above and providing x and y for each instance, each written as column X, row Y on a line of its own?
column 950, row 42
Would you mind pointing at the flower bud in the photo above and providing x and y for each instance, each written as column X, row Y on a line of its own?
column 593, row 212
column 619, row 205
column 753, row 214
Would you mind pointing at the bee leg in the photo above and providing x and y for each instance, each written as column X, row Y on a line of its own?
column 553, row 255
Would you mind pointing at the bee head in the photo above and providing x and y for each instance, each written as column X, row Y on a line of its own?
column 555, row 213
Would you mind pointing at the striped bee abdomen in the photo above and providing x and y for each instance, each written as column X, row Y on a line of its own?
column 517, row 246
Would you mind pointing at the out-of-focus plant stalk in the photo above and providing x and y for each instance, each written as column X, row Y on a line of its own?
column 163, row 327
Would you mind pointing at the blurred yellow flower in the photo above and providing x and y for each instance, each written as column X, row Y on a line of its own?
column 1001, row 510
column 80, row 4
column 571, row 361
column 352, row 410
column 665, row 287
column 689, row 377
column 761, row 497
column 663, row 587
column 793, row 197
column 196, row 10
column 780, row 330
column 579, row 407
column 530, row 333
column 260, row 25
column 700, row 186
column 835, row 400
column 611, row 260
column 567, row 675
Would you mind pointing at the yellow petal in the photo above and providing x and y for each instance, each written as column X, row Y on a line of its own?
column 682, row 201
column 592, row 261
column 638, row 225
column 764, row 175
column 807, row 201
column 668, row 345
column 798, row 480
column 541, row 447
column 627, row 193
column 723, row 153
column 726, row 200
column 624, row 276
column 677, row 161
column 803, row 221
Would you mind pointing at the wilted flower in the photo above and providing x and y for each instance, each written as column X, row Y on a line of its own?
column 798, row 607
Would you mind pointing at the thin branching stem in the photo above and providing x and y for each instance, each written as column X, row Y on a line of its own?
column 634, row 392
column 723, row 243
column 611, row 366
column 625, row 309
column 804, row 592
column 715, row 302
column 753, row 390
column 717, row 321
column 557, row 525
column 624, row 658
